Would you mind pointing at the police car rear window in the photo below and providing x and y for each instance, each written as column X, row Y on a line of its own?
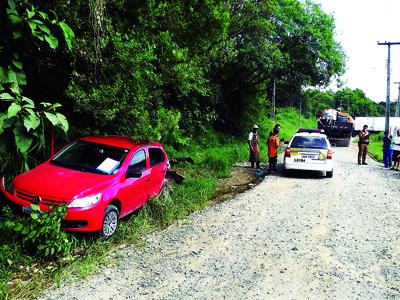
column 309, row 142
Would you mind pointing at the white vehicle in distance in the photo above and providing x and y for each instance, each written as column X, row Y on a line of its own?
column 310, row 150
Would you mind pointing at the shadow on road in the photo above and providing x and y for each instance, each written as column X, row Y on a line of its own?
column 299, row 174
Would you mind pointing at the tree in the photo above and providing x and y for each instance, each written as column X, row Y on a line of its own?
column 25, row 30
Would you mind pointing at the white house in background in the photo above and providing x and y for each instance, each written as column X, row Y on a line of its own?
column 376, row 124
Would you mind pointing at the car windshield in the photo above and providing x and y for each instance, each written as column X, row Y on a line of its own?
column 91, row 157
column 309, row 142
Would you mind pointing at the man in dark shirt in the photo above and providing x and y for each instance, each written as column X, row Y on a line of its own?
column 387, row 151
column 363, row 141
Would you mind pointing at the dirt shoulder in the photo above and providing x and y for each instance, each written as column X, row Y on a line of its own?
column 289, row 237
column 242, row 179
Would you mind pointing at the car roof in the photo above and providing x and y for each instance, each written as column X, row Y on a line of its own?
column 118, row 141
column 316, row 134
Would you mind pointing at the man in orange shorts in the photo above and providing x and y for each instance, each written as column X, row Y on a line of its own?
column 273, row 144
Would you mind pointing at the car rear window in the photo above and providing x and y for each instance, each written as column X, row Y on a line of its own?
column 309, row 142
column 156, row 156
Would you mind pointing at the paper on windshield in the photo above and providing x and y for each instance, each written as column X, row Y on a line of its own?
column 107, row 165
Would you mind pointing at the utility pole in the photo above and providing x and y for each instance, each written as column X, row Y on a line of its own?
column 396, row 113
column 273, row 101
column 387, row 111
column 300, row 113
column 348, row 106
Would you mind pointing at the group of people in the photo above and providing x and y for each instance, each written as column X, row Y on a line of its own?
column 272, row 143
column 391, row 148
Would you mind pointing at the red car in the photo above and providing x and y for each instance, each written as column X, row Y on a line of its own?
column 100, row 178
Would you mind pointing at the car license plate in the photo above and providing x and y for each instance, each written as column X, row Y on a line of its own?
column 29, row 210
column 299, row 160
column 309, row 156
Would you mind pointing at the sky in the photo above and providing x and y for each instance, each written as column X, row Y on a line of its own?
column 360, row 24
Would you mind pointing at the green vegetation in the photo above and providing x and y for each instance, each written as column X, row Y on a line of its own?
column 23, row 122
column 353, row 102
column 375, row 147
column 290, row 120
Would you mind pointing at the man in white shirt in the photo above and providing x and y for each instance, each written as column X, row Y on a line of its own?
column 253, row 147
column 396, row 146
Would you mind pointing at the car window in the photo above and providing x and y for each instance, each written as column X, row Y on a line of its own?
column 309, row 142
column 156, row 156
column 138, row 161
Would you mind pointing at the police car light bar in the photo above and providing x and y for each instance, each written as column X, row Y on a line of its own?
column 309, row 130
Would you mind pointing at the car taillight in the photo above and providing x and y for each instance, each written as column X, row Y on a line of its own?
column 287, row 152
column 330, row 153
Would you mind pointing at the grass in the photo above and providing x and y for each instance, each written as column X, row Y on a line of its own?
column 375, row 146
column 211, row 164
column 290, row 121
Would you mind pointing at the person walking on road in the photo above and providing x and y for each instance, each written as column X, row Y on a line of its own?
column 273, row 144
column 396, row 147
column 363, row 141
column 253, row 147
column 387, row 151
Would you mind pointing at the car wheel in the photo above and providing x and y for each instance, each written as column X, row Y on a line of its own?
column 165, row 190
column 285, row 172
column 329, row 174
column 110, row 222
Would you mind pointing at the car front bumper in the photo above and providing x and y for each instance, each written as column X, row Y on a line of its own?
column 86, row 219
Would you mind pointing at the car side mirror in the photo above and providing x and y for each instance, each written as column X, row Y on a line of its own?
column 286, row 142
column 133, row 172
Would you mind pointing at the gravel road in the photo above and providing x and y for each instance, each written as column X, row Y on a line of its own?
column 288, row 238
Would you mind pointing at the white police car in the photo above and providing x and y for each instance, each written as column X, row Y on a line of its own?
column 309, row 149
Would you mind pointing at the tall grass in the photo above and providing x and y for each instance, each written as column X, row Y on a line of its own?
column 375, row 147
column 291, row 121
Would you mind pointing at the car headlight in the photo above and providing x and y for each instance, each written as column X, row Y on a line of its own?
column 85, row 201
column 7, row 183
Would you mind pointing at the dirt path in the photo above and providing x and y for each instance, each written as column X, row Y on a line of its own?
column 288, row 238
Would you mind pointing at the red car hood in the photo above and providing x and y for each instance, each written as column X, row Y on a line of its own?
column 58, row 182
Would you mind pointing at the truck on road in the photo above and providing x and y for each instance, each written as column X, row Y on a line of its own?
column 338, row 126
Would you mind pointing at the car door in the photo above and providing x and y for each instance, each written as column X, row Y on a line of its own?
column 158, row 168
column 136, row 190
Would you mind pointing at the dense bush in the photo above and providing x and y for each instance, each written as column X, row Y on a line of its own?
column 135, row 67
column 38, row 233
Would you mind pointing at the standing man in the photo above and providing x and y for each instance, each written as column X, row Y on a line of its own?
column 253, row 146
column 273, row 144
column 396, row 146
column 387, row 151
column 363, row 141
